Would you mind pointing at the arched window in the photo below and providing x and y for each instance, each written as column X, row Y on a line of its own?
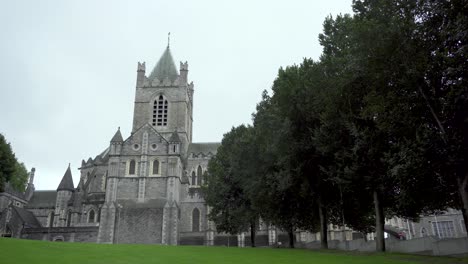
column 155, row 167
column 194, row 178
column 199, row 175
column 160, row 108
column 51, row 219
column 69, row 216
column 91, row 216
column 196, row 220
column 423, row 232
column 132, row 167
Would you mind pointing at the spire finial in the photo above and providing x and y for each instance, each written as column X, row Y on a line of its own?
column 168, row 39
column 118, row 128
column 69, row 165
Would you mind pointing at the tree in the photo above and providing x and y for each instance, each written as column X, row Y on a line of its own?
column 443, row 28
column 293, row 168
column 382, row 113
column 229, row 174
column 20, row 177
column 7, row 162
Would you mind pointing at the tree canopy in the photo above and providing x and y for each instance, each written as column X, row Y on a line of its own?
column 376, row 128
column 11, row 171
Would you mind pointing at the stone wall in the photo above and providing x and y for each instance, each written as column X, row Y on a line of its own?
column 186, row 220
column 69, row 234
column 42, row 215
column 424, row 245
column 139, row 225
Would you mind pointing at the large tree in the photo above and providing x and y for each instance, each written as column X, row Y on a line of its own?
column 230, row 173
column 381, row 110
column 443, row 27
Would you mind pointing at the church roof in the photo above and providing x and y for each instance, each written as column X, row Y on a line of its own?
column 205, row 148
column 164, row 68
column 42, row 199
column 174, row 137
column 12, row 191
column 117, row 137
column 27, row 217
column 67, row 181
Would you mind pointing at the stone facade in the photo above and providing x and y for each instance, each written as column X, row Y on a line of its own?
column 142, row 189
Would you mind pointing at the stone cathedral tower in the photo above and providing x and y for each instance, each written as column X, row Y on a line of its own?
column 153, row 177
column 145, row 172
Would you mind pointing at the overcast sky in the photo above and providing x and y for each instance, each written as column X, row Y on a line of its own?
column 68, row 68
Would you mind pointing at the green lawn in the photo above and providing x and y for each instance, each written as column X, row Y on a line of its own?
column 29, row 252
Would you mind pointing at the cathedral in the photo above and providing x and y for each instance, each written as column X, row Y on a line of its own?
column 144, row 188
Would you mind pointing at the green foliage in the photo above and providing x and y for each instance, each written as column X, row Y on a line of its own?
column 229, row 175
column 376, row 128
column 11, row 171
column 7, row 162
column 20, row 177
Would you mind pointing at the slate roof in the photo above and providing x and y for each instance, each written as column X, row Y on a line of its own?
column 10, row 190
column 204, row 148
column 42, row 199
column 117, row 137
column 164, row 68
column 27, row 217
column 67, row 181
column 174, row 137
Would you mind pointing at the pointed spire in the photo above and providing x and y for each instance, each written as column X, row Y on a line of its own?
column 174, row 137
column 165, row 68
column 117, row 137
column 168, row 39
column 67, row 181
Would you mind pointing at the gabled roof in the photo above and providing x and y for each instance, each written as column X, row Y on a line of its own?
column 165, row 68
column 67, row 181
column 117, row 137
column 42, row 199
column 27, row 217
column 148, row 125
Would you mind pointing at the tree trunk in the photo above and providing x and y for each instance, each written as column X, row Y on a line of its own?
column 291, row 237
column 462, row 183
column 252, row 234
column 379, row 223
column 323, row 226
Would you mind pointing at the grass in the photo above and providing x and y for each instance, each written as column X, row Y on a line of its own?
column 29, row 251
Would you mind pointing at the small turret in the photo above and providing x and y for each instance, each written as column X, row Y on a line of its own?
column 183, row 73
column 141, row 74
column 116, row 143
column 31, row 176
column 64, row 193
column 30, row 188
column 67, row 181
column 174, row 143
